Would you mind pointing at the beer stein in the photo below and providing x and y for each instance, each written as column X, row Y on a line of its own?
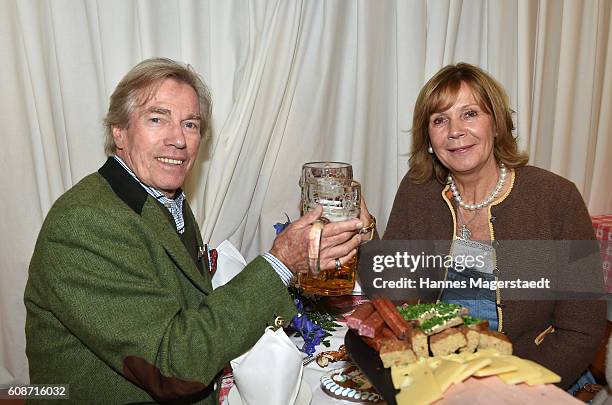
column 340, row 199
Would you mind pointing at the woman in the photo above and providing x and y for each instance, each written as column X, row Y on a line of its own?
column 468, row 183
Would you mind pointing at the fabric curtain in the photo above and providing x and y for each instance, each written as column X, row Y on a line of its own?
column 292, row 82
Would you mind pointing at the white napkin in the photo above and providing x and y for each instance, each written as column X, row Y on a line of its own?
column 271, row 372
column 229, row 263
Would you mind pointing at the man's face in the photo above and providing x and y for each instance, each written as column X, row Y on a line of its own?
column 162, row 138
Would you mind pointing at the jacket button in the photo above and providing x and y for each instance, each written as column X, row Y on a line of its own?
column 279, row 321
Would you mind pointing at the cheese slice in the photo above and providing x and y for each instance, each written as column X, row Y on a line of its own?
column 400, row 375
column 452, row 357
column 459, row 357
column 497, row 366
column 471, row 367
column 423, row 389
column 434, row 362
column 488, row 352
column 466, row 356
column 446, row 371
column 546, row 376
column 403, row 381
column 524, row 372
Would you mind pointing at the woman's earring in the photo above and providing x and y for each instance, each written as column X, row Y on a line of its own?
column 430, row 150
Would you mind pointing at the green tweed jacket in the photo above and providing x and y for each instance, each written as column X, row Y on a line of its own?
column 119, row 309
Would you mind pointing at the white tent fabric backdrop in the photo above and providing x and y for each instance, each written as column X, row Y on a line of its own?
column 292, row 81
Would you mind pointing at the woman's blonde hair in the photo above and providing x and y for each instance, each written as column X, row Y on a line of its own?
column 439, row 94
column 141, row 83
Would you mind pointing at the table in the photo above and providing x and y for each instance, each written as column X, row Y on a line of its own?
column 472, row 391
column 313, row 373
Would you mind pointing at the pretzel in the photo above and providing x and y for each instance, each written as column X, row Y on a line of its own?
column 324, row 358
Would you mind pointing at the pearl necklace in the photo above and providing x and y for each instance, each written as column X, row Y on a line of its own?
column 472, row 207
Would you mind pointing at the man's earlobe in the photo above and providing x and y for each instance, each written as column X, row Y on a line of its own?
column 118, row 136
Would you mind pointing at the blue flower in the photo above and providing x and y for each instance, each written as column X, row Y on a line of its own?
column 299, row 305
column 311, row 325
column 279, row 227
column 312, row 333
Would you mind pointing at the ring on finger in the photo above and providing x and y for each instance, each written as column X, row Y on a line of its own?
column 338, row 264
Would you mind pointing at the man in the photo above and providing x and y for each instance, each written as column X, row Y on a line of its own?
column 119, row 298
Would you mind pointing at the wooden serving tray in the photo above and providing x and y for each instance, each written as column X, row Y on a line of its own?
column 368, row 360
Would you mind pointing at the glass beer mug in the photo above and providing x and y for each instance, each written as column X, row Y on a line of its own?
column 340, row 199
column 325, row 170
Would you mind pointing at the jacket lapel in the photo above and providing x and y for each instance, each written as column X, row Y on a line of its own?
column 151, row 211
column 153, row 215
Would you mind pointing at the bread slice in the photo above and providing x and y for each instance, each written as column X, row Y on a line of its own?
column 490, row 339
column 419, row 343
column 447, row 342
column 396, row 353
column 472, row 337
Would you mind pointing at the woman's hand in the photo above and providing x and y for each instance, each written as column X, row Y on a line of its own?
column 369, row 223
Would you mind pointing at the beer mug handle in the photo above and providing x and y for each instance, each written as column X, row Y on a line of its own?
column 314, row 246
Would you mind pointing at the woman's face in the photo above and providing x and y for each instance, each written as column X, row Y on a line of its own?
column 462, row 136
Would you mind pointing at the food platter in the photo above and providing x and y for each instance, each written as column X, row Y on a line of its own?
column 436, row 353
column 369, row 362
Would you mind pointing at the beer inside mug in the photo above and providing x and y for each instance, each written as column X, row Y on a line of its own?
column 340, row 199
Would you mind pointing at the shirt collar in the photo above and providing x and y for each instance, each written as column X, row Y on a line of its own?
column 151, row 190
column 174, row 205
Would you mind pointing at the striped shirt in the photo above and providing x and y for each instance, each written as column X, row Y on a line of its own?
column 175, row 206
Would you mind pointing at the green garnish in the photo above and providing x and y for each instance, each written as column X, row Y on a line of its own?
column 325, row 320
column 429, row 324
column 420, row 311
column 430, row 316
column 470, row 320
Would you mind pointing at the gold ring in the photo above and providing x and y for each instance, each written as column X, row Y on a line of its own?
column 370, row 227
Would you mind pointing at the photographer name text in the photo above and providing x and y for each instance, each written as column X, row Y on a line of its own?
column 427, row 283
